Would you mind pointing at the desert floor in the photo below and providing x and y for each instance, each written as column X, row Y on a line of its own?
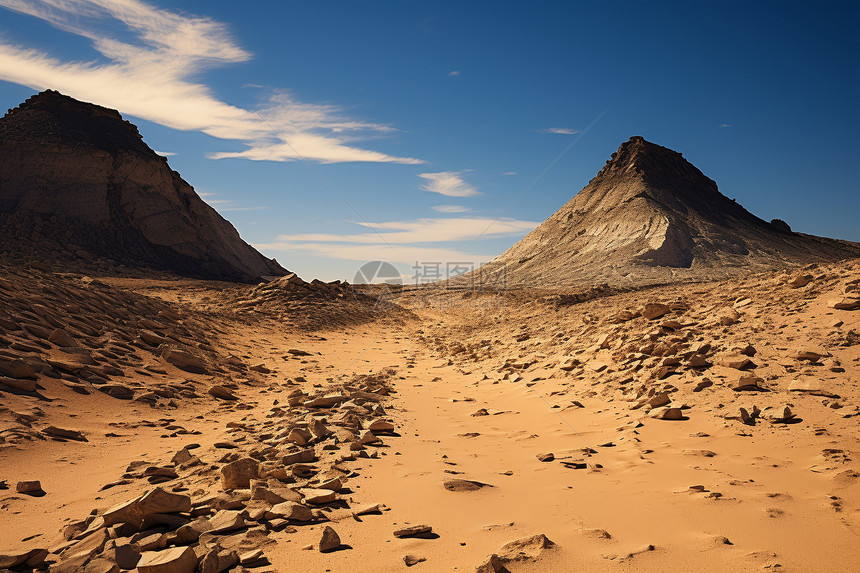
column 612, row 426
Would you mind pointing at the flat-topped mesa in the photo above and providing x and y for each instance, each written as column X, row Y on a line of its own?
column 77, row 182
column 649, row 216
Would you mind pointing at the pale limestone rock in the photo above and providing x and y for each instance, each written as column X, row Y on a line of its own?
column 173, row 560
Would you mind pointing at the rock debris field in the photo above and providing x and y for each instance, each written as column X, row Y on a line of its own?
column 178, row 425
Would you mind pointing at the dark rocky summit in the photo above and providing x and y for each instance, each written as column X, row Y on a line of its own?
column 648, row 217
column 77, row 183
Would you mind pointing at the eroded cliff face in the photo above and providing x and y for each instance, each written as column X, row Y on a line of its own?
column 650, row 216
column 76, row 180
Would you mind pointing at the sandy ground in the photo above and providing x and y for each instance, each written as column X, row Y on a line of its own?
column 483, row 386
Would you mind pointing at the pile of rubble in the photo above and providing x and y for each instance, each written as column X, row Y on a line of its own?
column 289, row 471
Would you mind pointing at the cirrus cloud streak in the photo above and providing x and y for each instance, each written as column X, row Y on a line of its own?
column 150, row 74
column 424, row 230
column 426, row 239
column 448, row 183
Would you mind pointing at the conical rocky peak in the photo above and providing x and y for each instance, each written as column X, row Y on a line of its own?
column 51, row 117
column 662, row 178
column 79, row 185
column 650, row 216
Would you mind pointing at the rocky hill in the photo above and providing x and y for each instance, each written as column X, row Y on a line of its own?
column 650, row 216
column 77, row 183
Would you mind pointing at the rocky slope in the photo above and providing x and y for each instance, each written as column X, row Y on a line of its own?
column 649, row 216
column 78, row 182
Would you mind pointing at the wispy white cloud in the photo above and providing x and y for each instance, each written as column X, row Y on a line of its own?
column 725, row 125
column 229, row 209
column 448, row 183
column 408, row 254
column 165, row 153
column 151, row 77
column 450, row 208
column 405, row 241
column 225, row 205
column 453, row 73
column 559, row 130
column 509, row 173
column 424, row 230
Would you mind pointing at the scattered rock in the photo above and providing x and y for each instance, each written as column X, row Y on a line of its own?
column 21, row 384
column 737, row 362
column 375, row 508
column 33, row 558
column 253, row 558
column 156, row 501
column 844, row 303
column 748, row 350
column 812, row 387
column 493, row 564
column 185, row 361
column 654, row 310
column 238, row 474
column 30, row 488
column 290, row 510
column 667, row 413
column 811, row 355
column 217, row 560
column 800, row 281
column 413, row 531
column 525, row 549
column 317, row 496
column 379, row 426
column 64, row 434
column 728, row 317
column 329, row 540
column 705, row 383
column 595, row 533
column 749, row 383
column 464, row 485
column 15, row 368
column 222, row 393
column 747, row 418
column 787, row 417
column 411, row 560
column 227, row 520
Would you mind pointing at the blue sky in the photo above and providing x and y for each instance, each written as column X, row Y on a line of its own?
column 332, row 133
